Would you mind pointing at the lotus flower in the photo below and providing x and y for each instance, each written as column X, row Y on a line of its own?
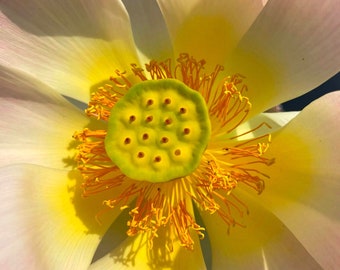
column 193, row 79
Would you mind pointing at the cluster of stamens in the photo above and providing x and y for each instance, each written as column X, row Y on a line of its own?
column 134, row 129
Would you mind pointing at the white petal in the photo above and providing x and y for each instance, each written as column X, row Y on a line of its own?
column 264, row 123
column 265, row 242
column 304, row 187
column 258, row 126
column 292, row 47
column 208, row 29
column 149, row 30
column 70, row 45
column 36, row 124
column 45, row 224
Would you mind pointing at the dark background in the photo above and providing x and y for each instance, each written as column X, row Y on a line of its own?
column 299, row 103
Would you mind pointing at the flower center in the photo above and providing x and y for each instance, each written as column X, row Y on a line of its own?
column 158, row 131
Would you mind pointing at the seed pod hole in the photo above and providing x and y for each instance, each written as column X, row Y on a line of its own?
column 168, row 121
column 158, row 159
column 149, row 102
column 127, row 141
column 164, row 140
column 140, row 155
column 186, row 131
column 182, row 110
column 149, row 119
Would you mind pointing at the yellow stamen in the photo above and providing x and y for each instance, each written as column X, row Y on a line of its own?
column 223, row 168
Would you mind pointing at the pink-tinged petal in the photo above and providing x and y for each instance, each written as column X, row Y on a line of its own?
column 305, row 180
column 292, row 47
column 45, row 223
column 264, row 243
column 69, row 45
column 208, row 29
column 36, row 123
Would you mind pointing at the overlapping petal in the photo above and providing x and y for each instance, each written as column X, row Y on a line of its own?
column 45, row 224
column 258, row 126
column 304, row 187
column 36, row 123
column 292, row 47
column 264, row 243
column 149, row 30
column 69, row 45
column 208, row 30
column 135, row 253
